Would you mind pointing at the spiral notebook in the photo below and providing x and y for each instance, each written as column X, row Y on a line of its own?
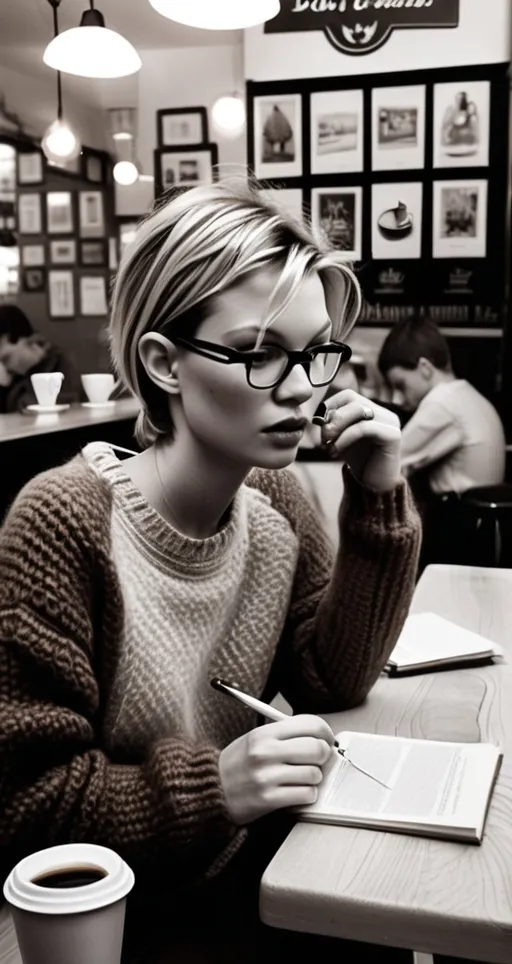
column 429, row 642
column 433, row 789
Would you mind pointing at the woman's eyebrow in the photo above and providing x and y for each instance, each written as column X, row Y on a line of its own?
column 257, row 331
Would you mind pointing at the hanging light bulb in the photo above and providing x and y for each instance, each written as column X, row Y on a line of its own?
column 60, row 143
column 218, row 14
column 228, row 115
column 91, row 50
column 126, row 172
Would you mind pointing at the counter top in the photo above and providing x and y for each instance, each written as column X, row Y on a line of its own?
column 19, row 425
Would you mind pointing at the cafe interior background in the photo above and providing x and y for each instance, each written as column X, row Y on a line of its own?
column 200, row 102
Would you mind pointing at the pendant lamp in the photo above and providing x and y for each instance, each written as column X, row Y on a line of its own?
column 60, row 143
column 91, row 50
column 217, row 14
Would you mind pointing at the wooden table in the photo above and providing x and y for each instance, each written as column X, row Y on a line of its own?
column 426, row 895
column 21, row 425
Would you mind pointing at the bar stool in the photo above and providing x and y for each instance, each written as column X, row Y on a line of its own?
column 487, row 512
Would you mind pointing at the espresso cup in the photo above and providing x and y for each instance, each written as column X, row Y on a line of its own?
column 98, row 387
column 68, row 904
column 47, row 386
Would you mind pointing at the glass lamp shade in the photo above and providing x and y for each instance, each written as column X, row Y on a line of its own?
column 125, row 172
column 217, row 14
column 92, row 51
column 60, row 143
column 228, row 115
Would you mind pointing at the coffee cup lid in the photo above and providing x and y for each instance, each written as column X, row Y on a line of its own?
column 21, row 891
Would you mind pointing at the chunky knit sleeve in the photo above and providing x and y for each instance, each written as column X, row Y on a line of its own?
column 345, row 613
column 60, row 611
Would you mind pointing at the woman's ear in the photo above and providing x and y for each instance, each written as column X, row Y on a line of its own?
column 159, row 357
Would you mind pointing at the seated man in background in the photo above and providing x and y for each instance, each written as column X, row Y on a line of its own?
column 455, row 433
column 22, row 353
column 453, row 441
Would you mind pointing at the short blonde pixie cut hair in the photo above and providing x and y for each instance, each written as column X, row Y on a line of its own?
column 196, row 245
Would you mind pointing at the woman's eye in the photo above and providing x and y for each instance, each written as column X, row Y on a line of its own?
column 266, row 355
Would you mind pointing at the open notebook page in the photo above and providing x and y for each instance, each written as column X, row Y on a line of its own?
column 431, row 783
column 428, row 637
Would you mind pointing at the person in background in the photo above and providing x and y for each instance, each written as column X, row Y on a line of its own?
column 455, row 435
column 22, row 353
column 125, row 586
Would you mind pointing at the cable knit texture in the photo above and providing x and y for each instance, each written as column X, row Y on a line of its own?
column 111, row 624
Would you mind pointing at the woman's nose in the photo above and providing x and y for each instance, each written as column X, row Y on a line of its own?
column 296, row 385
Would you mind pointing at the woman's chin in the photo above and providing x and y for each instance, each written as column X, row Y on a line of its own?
column 278, row 459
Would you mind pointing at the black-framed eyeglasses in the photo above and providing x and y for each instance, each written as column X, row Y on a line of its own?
column 269, row 365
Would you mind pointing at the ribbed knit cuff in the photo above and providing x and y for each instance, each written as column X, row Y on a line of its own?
column 382, row 510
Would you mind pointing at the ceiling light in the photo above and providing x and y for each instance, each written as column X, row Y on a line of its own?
column 217, row 14
column 91, row 50
column 228, row 115
column 125, row 172
column 60, row 143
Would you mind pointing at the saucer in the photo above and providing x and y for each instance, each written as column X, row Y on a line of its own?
column 97, row 404
column 46, row 409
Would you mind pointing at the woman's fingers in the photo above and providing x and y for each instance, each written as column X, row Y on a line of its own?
column 379, row 433
column 348, row 406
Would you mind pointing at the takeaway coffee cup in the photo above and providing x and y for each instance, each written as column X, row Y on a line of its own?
column 47, row 386
column 68, row 904
column 98, row 387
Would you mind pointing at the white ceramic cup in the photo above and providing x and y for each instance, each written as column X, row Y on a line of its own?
column 47, row 386
column 69, row 923
column 98, row 387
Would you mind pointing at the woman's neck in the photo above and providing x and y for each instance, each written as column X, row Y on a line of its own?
column 187, row 484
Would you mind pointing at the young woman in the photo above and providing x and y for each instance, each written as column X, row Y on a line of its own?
column 127, row 585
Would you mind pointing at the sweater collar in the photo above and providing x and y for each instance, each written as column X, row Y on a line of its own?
column 157, row 535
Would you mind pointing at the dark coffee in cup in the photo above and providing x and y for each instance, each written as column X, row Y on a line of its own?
column 70, row 877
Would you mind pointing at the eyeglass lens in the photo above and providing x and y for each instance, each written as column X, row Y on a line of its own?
column 267, row 371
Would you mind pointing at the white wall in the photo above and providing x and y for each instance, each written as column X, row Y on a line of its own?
column 483, row 36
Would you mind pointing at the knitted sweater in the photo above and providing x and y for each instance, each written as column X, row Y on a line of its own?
column 63, row 625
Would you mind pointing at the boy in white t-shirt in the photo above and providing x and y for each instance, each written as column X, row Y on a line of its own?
column 455, row 434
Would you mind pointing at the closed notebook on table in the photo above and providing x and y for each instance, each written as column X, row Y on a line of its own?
column 434, row 789
column 429, row 642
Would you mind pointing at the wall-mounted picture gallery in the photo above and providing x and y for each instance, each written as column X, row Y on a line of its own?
column 403, row 173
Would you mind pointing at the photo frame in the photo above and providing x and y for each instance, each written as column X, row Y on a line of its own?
column 30, row 219
column 397, row 213
column 61, row 295
column 32, row 255
column 63, row 251
column 278, row 136
column 182, row 167
column 91, row 214
column 33, row 280
column 180, row 126
column 337, row 213
column 93, row 253
column 337, row 131
column 93, row 165
column 59, row 212
column 93, row 296
column 30, row 167
column 460, row 219
column 462, row 124
column 398, row 127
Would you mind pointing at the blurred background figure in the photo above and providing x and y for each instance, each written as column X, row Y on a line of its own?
column 22, row 353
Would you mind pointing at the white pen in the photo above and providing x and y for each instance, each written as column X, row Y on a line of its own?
column 271, row 713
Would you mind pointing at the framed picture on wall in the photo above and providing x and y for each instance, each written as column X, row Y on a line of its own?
column 278, row 136
column 61, row 296
column 337, row 212
column 397, row 211
column 93, row 165
column 59, row 212
column 398, row 128
column 288, row 198
column 461, row 124
column 126, row 234
column 91, row 216
column 460, row 219
column 33, row 280
column 336, row 131
column 182, row 125
column 93, row 252
column 93, row 295
column 29, row 214
column 185, row 166
column 32, row 255
column 63, row 251
column 30, row 167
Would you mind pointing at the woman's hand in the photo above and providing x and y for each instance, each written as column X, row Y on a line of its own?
column 366, row 436
column 274, row 766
